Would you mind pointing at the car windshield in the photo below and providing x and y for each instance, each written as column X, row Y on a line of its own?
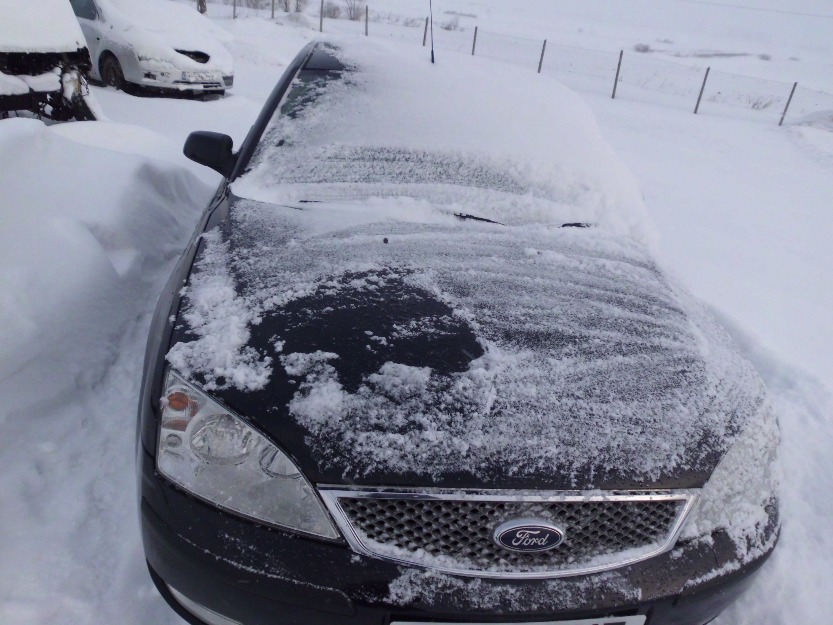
column 363, row 164
column 341, row 171
column 367, row 131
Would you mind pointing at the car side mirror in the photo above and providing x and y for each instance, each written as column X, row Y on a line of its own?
column 211, row 149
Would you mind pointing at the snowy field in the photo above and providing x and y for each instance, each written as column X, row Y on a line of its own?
column 94, row 215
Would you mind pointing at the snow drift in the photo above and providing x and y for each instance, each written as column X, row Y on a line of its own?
column 87, row 218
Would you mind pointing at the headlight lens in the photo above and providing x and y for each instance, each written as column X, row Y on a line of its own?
column 215, row 455
column 738, row 496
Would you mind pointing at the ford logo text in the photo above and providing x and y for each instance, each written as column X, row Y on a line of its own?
column 528, row 536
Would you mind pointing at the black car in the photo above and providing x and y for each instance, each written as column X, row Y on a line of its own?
column 399, row 377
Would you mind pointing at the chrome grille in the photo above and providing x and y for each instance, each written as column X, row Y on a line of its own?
column 453, row 532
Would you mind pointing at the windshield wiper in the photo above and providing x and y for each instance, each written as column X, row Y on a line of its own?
column 465, row 217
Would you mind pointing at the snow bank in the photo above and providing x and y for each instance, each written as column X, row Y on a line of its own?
column 82, row 226
column 93, row 215
column 39, row 26
column 795, row 586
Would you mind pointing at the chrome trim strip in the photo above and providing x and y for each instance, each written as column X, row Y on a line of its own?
column 331, row 494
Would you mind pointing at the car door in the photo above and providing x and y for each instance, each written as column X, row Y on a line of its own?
column 89, row 18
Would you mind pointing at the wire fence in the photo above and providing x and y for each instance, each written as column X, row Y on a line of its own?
column 641, row 70
column 698, row 86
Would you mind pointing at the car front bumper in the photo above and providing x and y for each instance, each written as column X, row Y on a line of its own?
column 245, row 573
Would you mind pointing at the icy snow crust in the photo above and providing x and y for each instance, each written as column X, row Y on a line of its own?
column 551, row 351
column 39, row 26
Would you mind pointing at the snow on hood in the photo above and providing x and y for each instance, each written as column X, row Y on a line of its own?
column 39, row 26
column 527, row 142
column 402, row 341
column 156, row 28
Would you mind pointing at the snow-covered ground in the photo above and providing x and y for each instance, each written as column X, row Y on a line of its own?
column 94, row 214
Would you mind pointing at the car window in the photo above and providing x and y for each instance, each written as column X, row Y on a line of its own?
column 285, row 155
column 84, row 9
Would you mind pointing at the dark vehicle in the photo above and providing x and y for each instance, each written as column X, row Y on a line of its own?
column 396, row 378
column 43, row 71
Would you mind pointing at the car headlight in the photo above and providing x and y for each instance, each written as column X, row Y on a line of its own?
column 740, row 493
column 214, row 454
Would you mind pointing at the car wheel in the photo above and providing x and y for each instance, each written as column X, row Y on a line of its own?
column 111, row 72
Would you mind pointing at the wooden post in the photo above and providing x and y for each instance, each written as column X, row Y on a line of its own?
column 425, row 33
column 366, row 18
column 618, row 69
column 786, row 108
column 273, row 9
column 234, row 10
column 541, row 62
column 321, row 19
column 702, row 88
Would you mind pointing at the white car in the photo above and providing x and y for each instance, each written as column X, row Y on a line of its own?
column 162, row 46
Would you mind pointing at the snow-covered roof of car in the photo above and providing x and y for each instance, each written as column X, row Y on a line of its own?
column 161, row 16
column 39, row 26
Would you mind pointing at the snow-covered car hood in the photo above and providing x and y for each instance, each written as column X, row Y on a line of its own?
column 391, row 343
column 155, row 30
column 39, row 26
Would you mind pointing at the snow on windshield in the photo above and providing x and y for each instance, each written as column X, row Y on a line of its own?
column 530, row 149
column 39, row 26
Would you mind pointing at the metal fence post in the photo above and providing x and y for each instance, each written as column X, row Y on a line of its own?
column 366, row 18
column 541, row 62
column 425, row 33
column 702, row 88
column 786, row 108
column 273, row 9
column 234, row 10
column 474, row 41
column 321, row 19
column 618, row 69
